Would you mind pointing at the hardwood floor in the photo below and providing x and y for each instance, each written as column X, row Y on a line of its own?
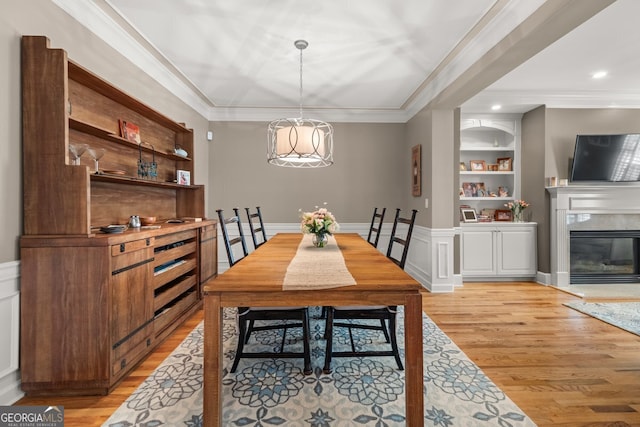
column 561, row 367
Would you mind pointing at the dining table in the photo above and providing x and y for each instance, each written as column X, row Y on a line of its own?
column 261, row 279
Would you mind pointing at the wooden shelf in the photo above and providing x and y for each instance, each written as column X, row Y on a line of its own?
column 87, row 78
column 486, row 173
column 111, row 137
column 129, row 180
column 508, row 199
column 488, row 148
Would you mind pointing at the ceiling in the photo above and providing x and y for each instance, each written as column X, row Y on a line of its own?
column 370, row 61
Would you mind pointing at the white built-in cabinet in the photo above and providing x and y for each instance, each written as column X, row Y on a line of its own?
column 489, row 161
column 498, row 251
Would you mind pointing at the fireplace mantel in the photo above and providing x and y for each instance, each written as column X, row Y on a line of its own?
column 613, row 199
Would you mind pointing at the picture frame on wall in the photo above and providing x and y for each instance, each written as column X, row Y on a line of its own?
column 416, row 170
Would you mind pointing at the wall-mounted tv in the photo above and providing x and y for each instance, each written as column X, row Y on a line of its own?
column 611, row 158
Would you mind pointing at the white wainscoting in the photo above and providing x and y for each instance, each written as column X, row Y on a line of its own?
column 430, row 259
column 10, row 390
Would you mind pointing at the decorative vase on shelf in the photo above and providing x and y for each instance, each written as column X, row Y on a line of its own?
column 518, row 216
column 320, row 240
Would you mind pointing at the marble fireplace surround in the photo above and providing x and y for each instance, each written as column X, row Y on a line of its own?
column 606, row 206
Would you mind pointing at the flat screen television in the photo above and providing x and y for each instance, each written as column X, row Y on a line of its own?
column 609, row 158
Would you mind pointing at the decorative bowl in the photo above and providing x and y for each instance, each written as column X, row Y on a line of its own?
column 147, row 220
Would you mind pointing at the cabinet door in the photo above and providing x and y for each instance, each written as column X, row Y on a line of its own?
column 517, row 251
column 478, row 252
column 131, row 294
column 208, row 253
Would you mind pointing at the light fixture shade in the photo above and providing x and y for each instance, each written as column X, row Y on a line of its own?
column 300, row 143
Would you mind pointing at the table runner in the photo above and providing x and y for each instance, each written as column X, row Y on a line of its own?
column 317, row 268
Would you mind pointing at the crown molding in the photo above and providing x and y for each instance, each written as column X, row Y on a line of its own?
column 103, row 25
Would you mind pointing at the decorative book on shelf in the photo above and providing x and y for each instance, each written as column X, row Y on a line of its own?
column 130, row 131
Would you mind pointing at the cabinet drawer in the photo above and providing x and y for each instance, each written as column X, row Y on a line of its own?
column 175, row 237
column 208, row 232
column 167, row 276
column 169, row 314
column 124, row 248
column 120, row 264
column 167, row 295
column 178, row 252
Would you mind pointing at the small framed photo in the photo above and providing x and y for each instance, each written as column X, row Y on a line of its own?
column 493, row 167
column 469, row 215
column 478, row 165
column 504, row 164
column 489, row 213
column 503, row 215
column 463, row 166
column 183, row 177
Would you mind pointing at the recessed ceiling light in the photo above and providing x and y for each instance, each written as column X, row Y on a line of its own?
column 496, row 107
column 599, row 74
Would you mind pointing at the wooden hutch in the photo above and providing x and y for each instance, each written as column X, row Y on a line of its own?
column 94, row 304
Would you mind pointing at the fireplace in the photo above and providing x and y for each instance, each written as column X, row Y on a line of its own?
column 604, row 256
column 594, row 234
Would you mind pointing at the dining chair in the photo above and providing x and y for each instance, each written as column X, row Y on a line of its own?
column 272, row 318
column 258, row 233
column 349, row 316
column 376, row 226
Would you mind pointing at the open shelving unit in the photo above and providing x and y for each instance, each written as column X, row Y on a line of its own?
column 93, row 304
column 484, row 141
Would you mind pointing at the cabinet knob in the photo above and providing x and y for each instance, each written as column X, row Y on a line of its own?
column 122, row 247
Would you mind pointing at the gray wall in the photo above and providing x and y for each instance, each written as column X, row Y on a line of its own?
column 371, row 169
column 562, row 126
column 42, row 17
column 548, row 140
column 438, row 133
column 532, row 154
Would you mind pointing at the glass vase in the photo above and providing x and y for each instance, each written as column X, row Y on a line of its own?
column 320, row 240
column 518, row 216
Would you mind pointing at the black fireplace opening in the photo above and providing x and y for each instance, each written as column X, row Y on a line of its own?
column 604, row 256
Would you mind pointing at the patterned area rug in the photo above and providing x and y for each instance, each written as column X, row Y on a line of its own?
column 624, row 315
column 360, row 391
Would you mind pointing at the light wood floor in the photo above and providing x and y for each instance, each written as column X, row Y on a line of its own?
column 561, row 367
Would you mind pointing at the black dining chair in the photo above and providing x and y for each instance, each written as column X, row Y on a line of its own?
column 272, row 318
column 376, row 226
column 348, row 316
column 258, row 233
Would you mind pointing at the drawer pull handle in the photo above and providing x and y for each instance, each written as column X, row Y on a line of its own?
column 132, row 266
column 122, row 247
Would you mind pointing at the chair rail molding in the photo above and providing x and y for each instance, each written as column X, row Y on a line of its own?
column 10, row 390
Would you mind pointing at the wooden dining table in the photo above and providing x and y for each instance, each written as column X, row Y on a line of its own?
column 258, row 281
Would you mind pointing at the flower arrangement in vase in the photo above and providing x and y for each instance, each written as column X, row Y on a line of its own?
column 321, row 223
column 517, row 208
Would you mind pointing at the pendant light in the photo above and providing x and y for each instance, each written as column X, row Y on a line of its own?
column 300, row 142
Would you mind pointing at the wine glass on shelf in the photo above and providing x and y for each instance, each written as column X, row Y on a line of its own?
column 96, row 154
column 76, row 151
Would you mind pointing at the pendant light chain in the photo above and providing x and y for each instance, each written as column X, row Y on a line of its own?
column 301, row 48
